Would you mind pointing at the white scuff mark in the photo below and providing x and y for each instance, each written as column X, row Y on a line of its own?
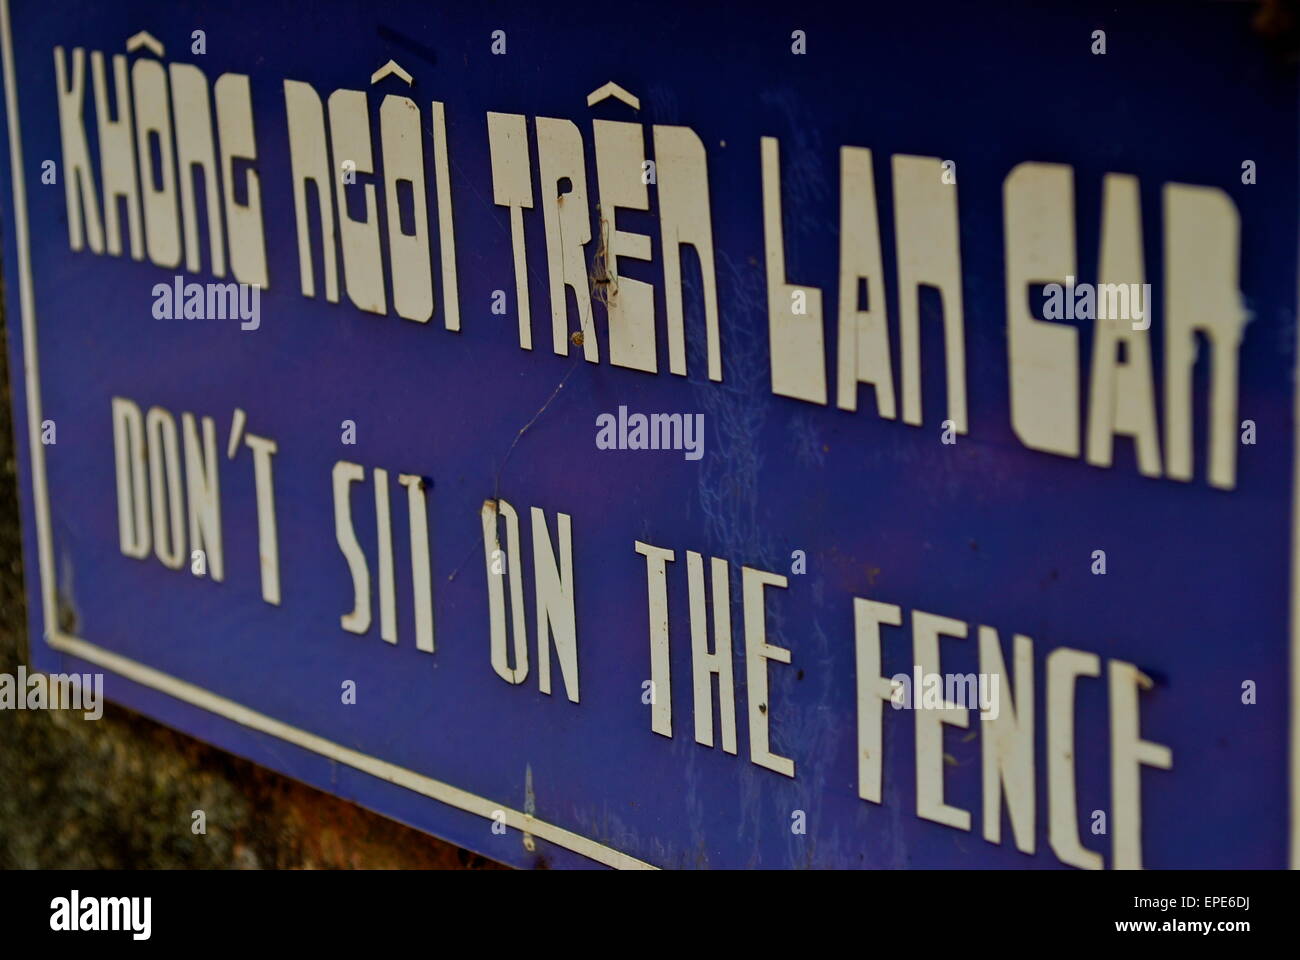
column 530, row 807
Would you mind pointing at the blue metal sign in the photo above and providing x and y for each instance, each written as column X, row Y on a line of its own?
column 651, row 435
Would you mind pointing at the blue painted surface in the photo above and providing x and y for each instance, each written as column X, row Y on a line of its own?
column 988, row 531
